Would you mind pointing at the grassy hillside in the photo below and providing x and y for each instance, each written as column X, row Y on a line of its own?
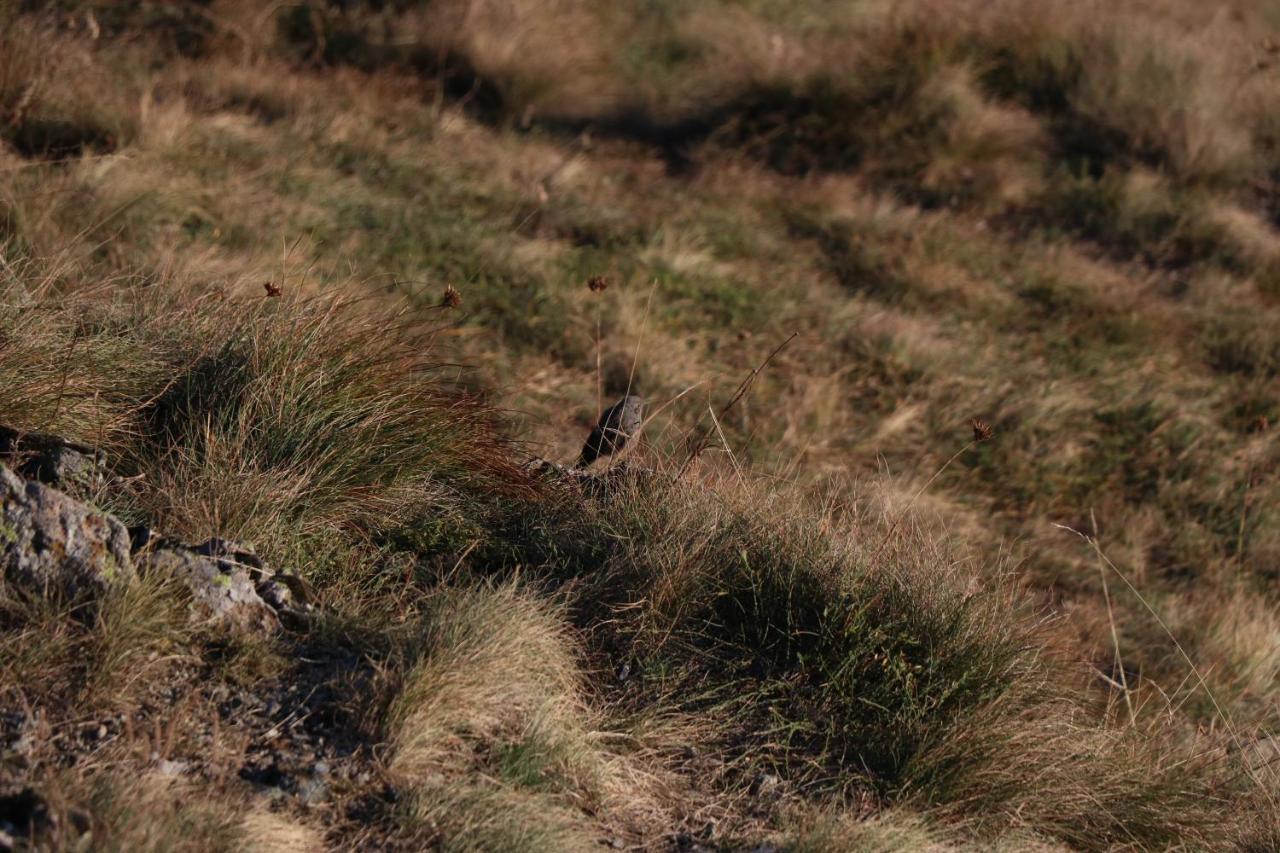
column 828, row 615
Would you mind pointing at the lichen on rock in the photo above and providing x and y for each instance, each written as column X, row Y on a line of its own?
column 53, row 544
column 220, row 594
column 58, row 545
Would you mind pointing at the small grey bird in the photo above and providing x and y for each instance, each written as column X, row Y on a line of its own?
column 617, row 424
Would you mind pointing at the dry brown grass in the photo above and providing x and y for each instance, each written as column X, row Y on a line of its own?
column 1055, row 219
column 494, row 740
column 49, row 105
column 154, row 813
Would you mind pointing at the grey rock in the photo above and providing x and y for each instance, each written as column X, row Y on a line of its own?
column 52, row 543
column 232, row 585
column 167, row 767
column 52, row 460
column 55, row 544
column 230, row 553
column 287, row 594
column 70, row 468
column 1262, row 753
column 222, row 592
column 313, row 791
column 766, row 786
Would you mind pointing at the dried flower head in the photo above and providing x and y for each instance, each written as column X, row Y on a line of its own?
column 452, row 298
column 982, row 430
column 597, row 284
column 273, row 290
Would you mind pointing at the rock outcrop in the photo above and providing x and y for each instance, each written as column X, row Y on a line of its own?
column 228, row 598
column 66, row 465
column 58, row 545
column 230, row 583
column 55, row 545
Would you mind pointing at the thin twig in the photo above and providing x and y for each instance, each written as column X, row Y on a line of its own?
column 746, row 383
column 599, row 371
column 732, row 459
column 1115, row 637
column 1213, row 700
column 62, row 385
column 635, row 359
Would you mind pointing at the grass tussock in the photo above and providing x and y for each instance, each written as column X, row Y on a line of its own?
column 492, row 733
column 47, row 106
column 316, row 430
column 819, row 652
column 122, row 812
column 73, row 655
column 491, row 662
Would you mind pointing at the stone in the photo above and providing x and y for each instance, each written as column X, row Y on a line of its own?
column 52, row 543
column 167, row 767
column 53, row 461
column 232, row 584
column 1262, row 753
column 287, row 594
column 313, row 791
column 230, row 553
column 24, row 814
column 223, row 592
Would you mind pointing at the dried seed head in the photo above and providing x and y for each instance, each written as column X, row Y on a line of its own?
column 273, row 290
column 452, row 298
column 597, row 284
column 982, row 430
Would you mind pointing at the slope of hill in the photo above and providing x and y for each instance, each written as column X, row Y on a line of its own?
column 826, row 613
